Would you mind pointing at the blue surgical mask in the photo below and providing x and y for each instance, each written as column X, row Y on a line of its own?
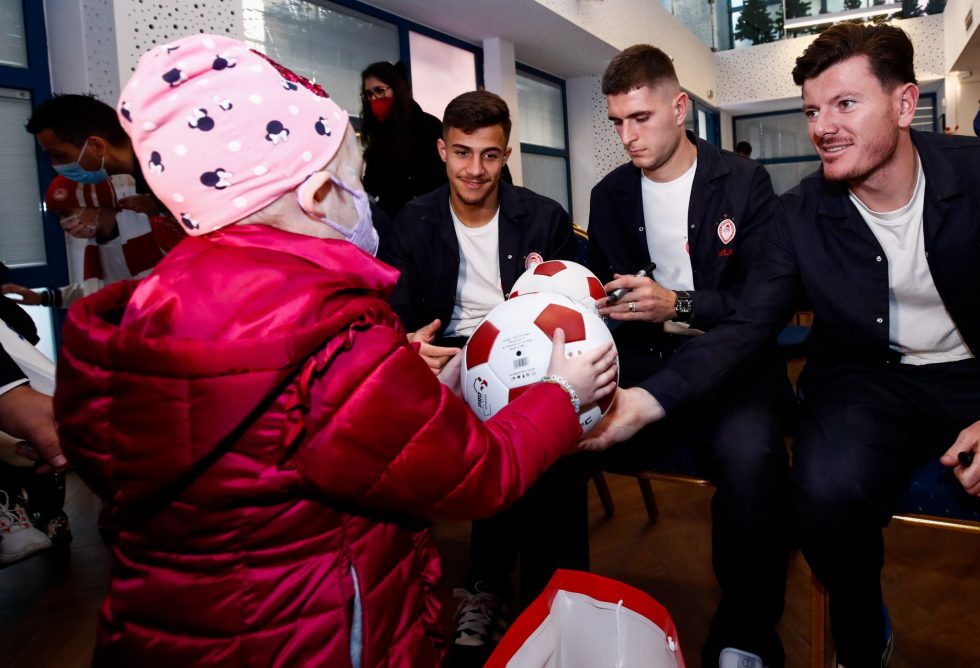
column 363, row 235
column 73, row 171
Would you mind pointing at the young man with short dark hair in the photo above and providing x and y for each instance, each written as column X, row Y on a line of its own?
column 698, row 213
column 883, row 243
column 460, row 249
column 86, row 143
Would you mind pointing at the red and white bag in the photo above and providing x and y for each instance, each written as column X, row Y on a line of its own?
column 583, row 620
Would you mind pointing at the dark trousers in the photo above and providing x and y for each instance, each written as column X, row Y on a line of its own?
column 542, row 530
column 737, row 438
column 863, row 430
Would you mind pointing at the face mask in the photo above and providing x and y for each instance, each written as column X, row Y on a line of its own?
column 363, row 235
column 381, row 107
column 73, row 171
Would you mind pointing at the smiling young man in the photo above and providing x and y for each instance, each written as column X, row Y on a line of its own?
column 459, row 249
column 699, row 213
column 883, row 242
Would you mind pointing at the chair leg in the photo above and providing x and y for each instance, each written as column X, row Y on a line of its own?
column 649, row 500
column 818, row 624
column 605, row 498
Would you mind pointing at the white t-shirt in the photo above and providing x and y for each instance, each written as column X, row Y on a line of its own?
column 919, row 327
column 478, row 288
column 665, row 208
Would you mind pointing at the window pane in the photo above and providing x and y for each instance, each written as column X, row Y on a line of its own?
column 775, row 136
column 786, row 175
column 440, row 72
column 546, row 175
column 541, row 113
column 21, row 232
column 13, row 45
column 323, row 42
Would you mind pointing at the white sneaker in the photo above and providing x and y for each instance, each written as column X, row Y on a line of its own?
column 20, row 539
column 736, row 658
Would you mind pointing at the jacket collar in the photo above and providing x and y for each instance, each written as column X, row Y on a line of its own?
column 710, row 168
column 943, row 183
column 512, row 219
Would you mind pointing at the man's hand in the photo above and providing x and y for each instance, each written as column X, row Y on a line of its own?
column 631, row 410
column 28, row 414
column 967, row 441
column 28, row 296
column 435, row 356
column 651, row 301
column 147, row 204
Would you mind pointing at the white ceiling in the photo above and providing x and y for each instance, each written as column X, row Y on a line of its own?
column 541, row 38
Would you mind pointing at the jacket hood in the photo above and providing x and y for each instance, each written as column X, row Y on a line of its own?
column 141, row 403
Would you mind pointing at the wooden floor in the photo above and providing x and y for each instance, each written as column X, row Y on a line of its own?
column 931, row 580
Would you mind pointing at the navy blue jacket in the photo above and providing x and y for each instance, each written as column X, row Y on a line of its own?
column 823, row 251
column 726, row 186
column 422, row 244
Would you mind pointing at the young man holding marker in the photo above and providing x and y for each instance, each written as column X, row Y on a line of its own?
column 697, row 213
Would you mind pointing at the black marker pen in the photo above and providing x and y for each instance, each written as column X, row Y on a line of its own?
column 615, row 295
column 965, row 458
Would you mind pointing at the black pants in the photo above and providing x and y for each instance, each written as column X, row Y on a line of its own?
column 863, row 431
column 737, row 437
column 542, row 530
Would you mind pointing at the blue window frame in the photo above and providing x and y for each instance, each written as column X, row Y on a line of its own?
column 34, row 80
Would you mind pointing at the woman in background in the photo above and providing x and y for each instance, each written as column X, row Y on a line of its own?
column 399, row 139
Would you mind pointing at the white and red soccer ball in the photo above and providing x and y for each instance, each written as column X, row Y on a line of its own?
column 562, row 277
column 511, row 349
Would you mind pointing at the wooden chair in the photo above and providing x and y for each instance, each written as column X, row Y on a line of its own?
column 934, row 499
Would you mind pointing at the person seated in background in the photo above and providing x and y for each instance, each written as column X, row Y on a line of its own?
column 459, row 249
column 96, row 256
column 267, row 442
column 699, row 213
column 401, row 161
column 82, row 137
column 882, row 241
column 744, row 149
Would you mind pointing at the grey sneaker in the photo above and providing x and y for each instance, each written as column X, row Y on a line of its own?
column 736, row 658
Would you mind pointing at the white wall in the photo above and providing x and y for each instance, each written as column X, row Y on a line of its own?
column 81, row 47
column 141, row 26
column 764, row 72
column 623, row 23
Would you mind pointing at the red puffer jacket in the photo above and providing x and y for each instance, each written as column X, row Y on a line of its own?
column 262, row 553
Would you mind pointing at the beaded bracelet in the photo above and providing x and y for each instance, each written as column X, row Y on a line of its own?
column 567, row 387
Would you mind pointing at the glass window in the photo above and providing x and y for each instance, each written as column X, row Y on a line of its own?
column 13, row 41
column 21, row 231
column 546, row 175
column 781, row 135
column 785, row 175
column 542, row 117
column 440, row 72
column 321, row 41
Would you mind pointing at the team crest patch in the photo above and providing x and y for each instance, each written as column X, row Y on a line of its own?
column 726, row 230
column 532, row 260
column 59, row 195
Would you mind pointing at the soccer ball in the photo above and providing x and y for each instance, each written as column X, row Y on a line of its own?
column 562, row 277
column 511, row 349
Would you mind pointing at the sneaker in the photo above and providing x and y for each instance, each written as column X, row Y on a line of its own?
column 480, row 618
column 20, row 539
column 736, row 658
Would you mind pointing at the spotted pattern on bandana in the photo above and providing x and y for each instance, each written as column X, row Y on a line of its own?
column 228, row 89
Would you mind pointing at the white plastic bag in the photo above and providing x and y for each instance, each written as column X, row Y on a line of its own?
column 583, row 620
